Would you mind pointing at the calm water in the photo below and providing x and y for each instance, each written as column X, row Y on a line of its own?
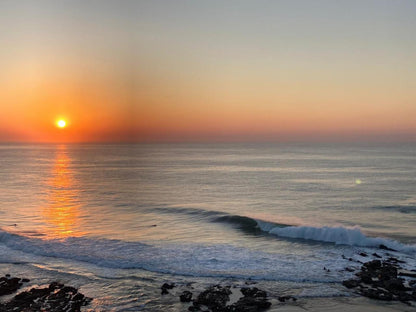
column 119, row 220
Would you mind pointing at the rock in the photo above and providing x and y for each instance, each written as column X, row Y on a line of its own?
column 395, row 260
column 168, row 286
column 372, row 265
column 55, row 285
column 377, row 294
column 348, row 269
column 408, row 274
column 384, row 247
column 249, row 304
column 165, row 288
column 379, row 280
column 9, row 285
column 286, row 298
column 404, row 297
column 254, row 300
column 253, row 292
column 186, row 296
column 376, row 255
column 386, row 272
column 215, row 297
column 51, row 299
column 363, row 254
column 351, row 283
column 394, row 284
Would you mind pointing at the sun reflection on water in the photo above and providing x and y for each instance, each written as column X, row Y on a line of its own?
column 62, row 213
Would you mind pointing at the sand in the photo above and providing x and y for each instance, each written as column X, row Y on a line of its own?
column 350, row 304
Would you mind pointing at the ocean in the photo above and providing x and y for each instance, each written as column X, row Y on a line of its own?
column 119, row 220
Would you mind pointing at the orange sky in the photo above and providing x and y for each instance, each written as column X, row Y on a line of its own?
column 236, row 71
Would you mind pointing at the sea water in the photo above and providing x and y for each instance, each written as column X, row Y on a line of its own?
column 118, row 220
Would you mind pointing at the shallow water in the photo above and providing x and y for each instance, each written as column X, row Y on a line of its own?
column 118, row 220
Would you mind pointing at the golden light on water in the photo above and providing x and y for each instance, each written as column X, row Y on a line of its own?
column 358, row 181
column 62, row 213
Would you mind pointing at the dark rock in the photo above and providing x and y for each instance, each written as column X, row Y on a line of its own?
column 50, row 299
column 376, row 255
column 372, row 265
column 25, row 280
column 394, row 284
column 55, row 285
column 186, row 296
column 9, row 285
column 395, row 260
column 254, row 300
column 381, row 281
column 286, row 298
column 165, row 288
column 249, row 304
column 351, row 283
column 404, row 296
column 253, row 292
column 386, row 272
column 366, row 277
column 378, row 294
column 408, row 274
column 168, row 286
column 215, row 297
column 363, row 254
column 384, row 247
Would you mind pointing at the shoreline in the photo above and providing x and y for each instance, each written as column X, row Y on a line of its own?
column 388, row 285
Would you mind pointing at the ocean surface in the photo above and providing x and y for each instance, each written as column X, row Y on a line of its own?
column 120, row 220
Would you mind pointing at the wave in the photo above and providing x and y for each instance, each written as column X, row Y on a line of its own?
column 216, row 260
column 398, row 208
column 245, row 224
column 326, row 234
column 225, row 261
column 341, row 236
column 336, row 235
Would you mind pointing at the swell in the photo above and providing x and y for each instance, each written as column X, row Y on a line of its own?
column 337, row 235
column 398, row 208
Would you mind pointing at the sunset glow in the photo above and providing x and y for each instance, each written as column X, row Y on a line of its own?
column 258, row 71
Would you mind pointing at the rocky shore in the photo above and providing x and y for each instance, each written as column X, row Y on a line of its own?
column 54, row 298
column 384, row 280
column 379, row 279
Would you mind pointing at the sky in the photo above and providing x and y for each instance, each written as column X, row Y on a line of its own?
column 172, row 71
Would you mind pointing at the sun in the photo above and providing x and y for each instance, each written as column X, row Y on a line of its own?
column 61, row 123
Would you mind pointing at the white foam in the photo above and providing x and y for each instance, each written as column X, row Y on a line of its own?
column 337, row 235
column 183, row 259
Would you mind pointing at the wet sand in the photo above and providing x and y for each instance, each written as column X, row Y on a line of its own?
column 347, row 304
